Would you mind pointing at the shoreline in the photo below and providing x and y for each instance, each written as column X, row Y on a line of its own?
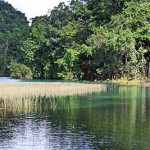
column 126, row 82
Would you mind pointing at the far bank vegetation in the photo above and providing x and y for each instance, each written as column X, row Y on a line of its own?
column 85, row 40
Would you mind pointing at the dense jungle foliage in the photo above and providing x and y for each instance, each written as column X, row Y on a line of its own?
column 85, row 40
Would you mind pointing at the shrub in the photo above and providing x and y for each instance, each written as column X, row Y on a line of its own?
column 20, row 71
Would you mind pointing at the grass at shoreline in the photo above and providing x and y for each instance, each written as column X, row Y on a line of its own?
column 126, row 82
column 51, row 89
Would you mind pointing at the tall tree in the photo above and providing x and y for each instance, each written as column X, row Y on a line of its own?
column 13, row 30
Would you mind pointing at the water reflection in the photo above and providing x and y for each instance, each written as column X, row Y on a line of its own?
column 116, row 119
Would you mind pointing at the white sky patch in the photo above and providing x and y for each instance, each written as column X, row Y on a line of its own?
column 33, row 8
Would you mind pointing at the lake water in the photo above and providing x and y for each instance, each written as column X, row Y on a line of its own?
column 117, row 119
column 8, row 80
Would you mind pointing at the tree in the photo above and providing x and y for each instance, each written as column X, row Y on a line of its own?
column 13, row 30
column 20, row 71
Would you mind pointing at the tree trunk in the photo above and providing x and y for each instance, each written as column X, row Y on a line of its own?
column 148, row 69
column 5, row 55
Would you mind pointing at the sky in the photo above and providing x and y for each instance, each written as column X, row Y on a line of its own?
column 33, row 8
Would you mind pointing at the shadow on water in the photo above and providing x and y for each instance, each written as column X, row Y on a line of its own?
column 116, row 119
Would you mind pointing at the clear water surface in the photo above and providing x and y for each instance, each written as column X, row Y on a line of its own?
column 117, row 119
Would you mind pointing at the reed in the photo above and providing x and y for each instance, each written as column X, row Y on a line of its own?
column 51, row 89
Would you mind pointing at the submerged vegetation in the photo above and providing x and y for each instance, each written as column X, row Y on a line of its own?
column 85, row 40
column 42, row 89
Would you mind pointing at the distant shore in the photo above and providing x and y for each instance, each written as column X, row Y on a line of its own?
column 126, row 82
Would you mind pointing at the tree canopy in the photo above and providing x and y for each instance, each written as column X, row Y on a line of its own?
column 13, row 30
column 85, row 40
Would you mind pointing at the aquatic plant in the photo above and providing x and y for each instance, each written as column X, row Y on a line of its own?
column 48, row 89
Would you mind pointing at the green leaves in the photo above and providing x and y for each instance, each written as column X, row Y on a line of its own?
column 28, row 49
column 13, row 30
column 68, row 62
column 85, row 40
column 20, row 71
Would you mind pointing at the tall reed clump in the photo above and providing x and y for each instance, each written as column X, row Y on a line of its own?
column 52, row 89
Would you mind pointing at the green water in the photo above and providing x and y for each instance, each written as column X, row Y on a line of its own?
column 117, row 119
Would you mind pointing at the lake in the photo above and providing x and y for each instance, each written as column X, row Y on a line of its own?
column 116, row 119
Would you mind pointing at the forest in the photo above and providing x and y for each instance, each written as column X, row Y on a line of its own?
column 85, row 40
